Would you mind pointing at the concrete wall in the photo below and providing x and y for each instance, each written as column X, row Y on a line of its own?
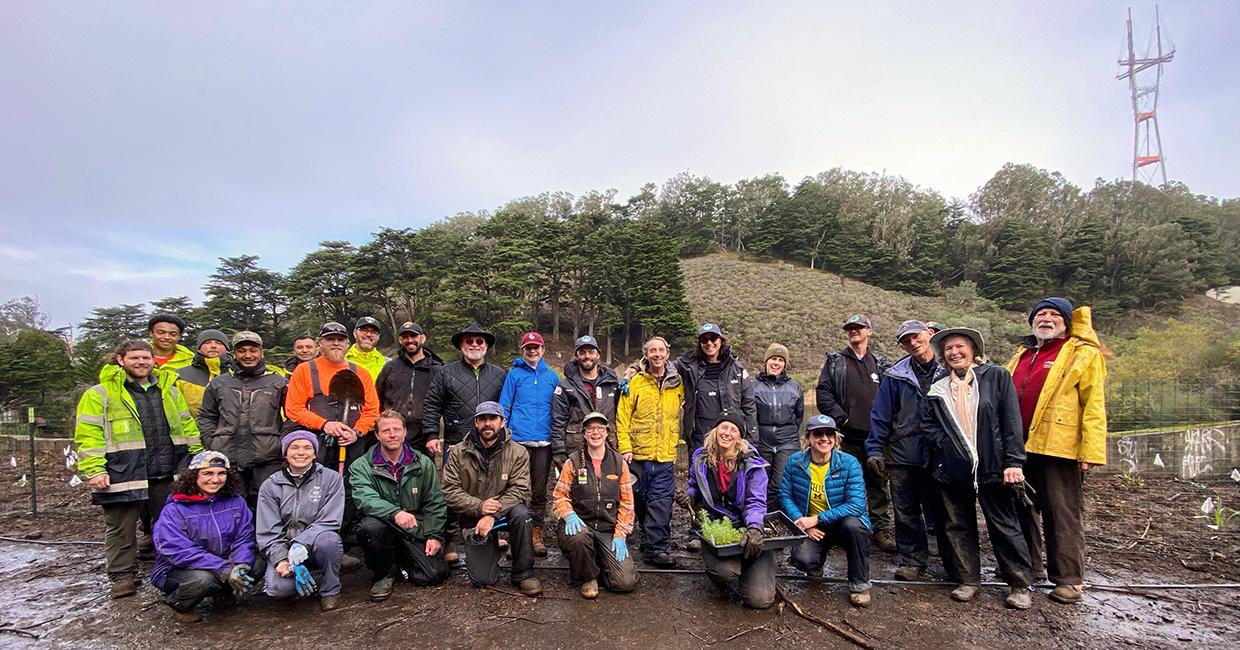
column 1205, row 452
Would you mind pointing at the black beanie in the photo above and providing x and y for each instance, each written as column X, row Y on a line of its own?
column 735, row 417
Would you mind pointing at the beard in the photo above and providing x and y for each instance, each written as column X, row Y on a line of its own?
column 1042, row 334
column 474, row 356
column 413, row 349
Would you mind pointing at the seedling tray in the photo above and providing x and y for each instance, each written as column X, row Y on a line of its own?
column 778, row 531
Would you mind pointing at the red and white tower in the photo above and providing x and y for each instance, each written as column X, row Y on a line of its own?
column 1147, row 151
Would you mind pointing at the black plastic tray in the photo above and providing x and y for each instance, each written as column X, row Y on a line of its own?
column 789, row 535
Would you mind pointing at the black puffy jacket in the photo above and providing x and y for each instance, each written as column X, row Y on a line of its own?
column 1000, row 440
column 780, row 406
column 454, row 395
column 402, row 386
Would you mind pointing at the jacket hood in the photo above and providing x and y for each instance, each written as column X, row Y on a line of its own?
column 694, row 356
column 112, row 373
column 670, row 372
column 403, row 355
column 257, row 371
column 779, row 379
column 520, row 364
column 1082, row 329
column 224, row 362
column 903, row 369
column 605, row 373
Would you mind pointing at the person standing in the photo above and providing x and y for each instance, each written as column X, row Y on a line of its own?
column 365, row 351
column 780, row 408
column 971, row 420
column 648, row 421
column 846, row 390
column 526, row 399
column 133, row 432
column 305, row 348
column 404, row 381
column 588, row 387
column 211, row 361
column 714, row 381
column 166, row 331
column 1060, row 377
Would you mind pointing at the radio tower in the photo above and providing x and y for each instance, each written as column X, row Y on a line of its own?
column 1146, row 141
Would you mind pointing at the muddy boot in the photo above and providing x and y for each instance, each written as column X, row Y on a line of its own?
column 589, row 590
column 536, row 537
column 859, row 599
column 382, row 588
column 662, row 561
column 349, row 564
column 815, row 572
column 694, row 546
column 1067, row 594
column 885, row 541
column 964, row 593
column 192, row 616
column 530, row 587
column 910, row 573
column 328, row 603
column 123, row 586
column 1019, row 598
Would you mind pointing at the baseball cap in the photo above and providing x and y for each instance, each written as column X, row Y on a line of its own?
column 332, row 328
column 858, row 320
column 595, row 415
column 531, row 338
column 410, row 327
column 709, row 328
column 247, row 336
column 821, row 422
column 489, row 408
column 208, row 459
column 910, row 327
column 367, row 321
column 585, row 341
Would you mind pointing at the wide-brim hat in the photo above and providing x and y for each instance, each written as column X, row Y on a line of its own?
column 473, row 328
column 979, row 343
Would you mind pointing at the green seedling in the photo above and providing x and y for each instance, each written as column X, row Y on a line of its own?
column 1131, row 480
column 1217, row 513
column 720, row 532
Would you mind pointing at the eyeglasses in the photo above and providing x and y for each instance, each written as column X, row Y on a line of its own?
column 474, row 340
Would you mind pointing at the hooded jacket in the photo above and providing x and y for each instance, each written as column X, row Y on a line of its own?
column 378, row 494
column 735, row 392
column 453, row 396
column 571, row 404
column 291, row 510
column 780, row 405
column 895, row 419
column 954, row 459
column 648, row 418
column 402, row 386
column 526, row 400
column 194, row 378
column 206, row 534
column 471, row 476
column 108, row 435
column 242, row 414
column 745, row 500
column 1070, row 420
column 182, row 357
column 844, row 488
column 372, row 361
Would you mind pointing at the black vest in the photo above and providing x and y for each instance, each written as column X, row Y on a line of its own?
column 596, row 499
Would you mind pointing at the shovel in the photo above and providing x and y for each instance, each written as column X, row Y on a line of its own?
column 346, row 387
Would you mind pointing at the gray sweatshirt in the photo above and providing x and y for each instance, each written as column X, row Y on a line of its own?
column 287, row 513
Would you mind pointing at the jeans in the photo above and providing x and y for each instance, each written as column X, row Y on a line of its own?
column 777, row 460
column 752, row 581
column 482, row 560
column 590, row 557
column 1058, row 512
column 1002, row 525
column 849, row 533
column 652, row 496
column 387, row 547
column 185, row 588
column 326, row 553
column 120, row 534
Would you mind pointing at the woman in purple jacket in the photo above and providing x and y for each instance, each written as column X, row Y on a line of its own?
column 727, row 479
column 204, row 539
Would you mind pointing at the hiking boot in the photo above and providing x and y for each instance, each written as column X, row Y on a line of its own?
column 328, row 603
column 1019, row 598
column 451, row 557
column 859, row 599
column 662, row 561
column 530, row 587
column 382, row 588
column 123, row 586
column 910, row 573
column 885, row 541
column 349, row 564
column 964, row 593
column 694, row 546
column 192, row 616
column 1067, row 594
column 540, row 549
column 932, row 546
column 815, row 572
column 590, row 590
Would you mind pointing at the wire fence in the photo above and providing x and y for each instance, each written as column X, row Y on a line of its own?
column 1160, row 405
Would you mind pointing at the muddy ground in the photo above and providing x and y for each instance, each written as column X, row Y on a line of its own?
column 1139, row 532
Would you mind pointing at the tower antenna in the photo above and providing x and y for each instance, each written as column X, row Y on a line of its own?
column 1147, row 151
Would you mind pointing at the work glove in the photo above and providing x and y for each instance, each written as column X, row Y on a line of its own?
column 1024, row 493
column 297, row 553
column 877, row 465
column 624, row 385
column 304, row 581
column 573, row 524
column 559, row 459
column 752, row 541
column 619, row 549
column 239, row 578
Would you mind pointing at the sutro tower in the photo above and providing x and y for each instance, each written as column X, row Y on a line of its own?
column 1146, row 142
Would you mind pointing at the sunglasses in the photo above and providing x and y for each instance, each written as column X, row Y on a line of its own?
column 822, row 433
column 474, row 340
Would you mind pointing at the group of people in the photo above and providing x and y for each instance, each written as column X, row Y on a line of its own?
column 246, row 476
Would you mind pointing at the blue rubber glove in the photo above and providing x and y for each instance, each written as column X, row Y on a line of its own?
column 573, row 524
column 624, row 385
column 620, row 549
column 304, row 581
column 297, row 553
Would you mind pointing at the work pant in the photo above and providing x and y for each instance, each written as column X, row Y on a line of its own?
column 915, row 501
column 775, row 474
column 1002, row 525
column 1057, row 513
column 652, row 497
column 120, row 532
column 590, row 557
column 252, row 478
column 751, row 581
column 849, row 533
column 540, row 471
column 877, row 490
column 451, row 523
column 387, row 547
column 326, row 553
column 482, row 559
column 185, row 588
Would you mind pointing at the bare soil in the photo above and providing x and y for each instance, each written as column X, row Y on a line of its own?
column 1139, row 533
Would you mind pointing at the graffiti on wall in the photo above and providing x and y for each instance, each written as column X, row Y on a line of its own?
column 1201, row 448
column 1126, row 450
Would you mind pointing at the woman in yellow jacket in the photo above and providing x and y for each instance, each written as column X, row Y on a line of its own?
column 648, row 430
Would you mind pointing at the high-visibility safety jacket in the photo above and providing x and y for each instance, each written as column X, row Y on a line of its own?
column 181, row 358
column 109, row 433
column 192, row 380
column 648, row 418
column 372, row 361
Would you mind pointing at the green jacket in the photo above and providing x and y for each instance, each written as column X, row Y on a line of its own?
column 109, row 437
column 376, row 493
column 467, row 481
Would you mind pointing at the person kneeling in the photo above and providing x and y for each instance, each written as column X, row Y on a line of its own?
column 594, row 499
column 300, row 509
column 403, row 514
column 204, row 539
column 823, row 492
column 727, row 478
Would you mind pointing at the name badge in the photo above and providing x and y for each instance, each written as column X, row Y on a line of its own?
column 582, row 479
column 874, row 377
column 608, row 506
column 503, row 477
column 414, row 490
column 598, row 392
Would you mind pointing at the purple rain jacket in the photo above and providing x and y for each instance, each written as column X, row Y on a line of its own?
column 210, row 534
column 748, row 501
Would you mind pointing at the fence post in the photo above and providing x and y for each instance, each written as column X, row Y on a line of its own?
column 34, row 491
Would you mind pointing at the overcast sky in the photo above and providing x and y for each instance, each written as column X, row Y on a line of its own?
column 139, row 142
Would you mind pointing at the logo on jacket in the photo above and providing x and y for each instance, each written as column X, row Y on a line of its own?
column 316, row 494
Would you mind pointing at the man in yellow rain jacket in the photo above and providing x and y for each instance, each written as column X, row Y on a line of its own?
column 1059, row 375
column 133, row 432
column 211, row 360
column 648, row 430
